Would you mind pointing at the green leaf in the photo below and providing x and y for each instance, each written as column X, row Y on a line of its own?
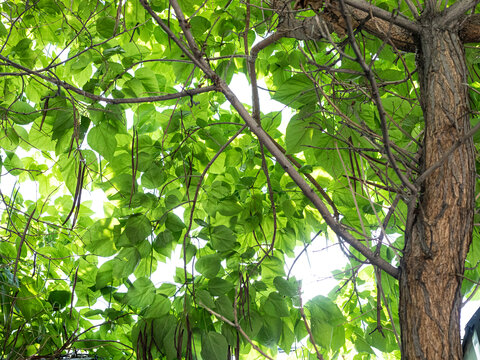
column 153, row 177
column 174, row 223
column 3, row 30
column 99, row 239
column 287, row 338
column 199, row 25
column 271, row 331
column 296, row 92
column 162, row 326
column 105, row 26
column 82, row 61
column 101, row 138
column 204, row 299
column 222, row 238
column 13, row 163
column 217, row 286
column 137, row 228
column 149, row 81
column 252, row 324
column 271, row 268
column 11, row 139
column 229, row 207
column 159, row 307
column 22, row 113
column 28, row 303
column 59, row 299
column 275, row 305
column 125, row 262
column 298, row 134
column 141, row 294
column 104, row 275
column 214, row 346
column 208, row 265
column 327, row 321
column 286, row 287
column 224, row 307
column 23, row 45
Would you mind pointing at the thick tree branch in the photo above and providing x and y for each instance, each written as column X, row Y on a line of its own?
column 331, row 20
column 395, row 19
column 454, row 12
column 470, row 29
column 253, row 74
column 400, row 33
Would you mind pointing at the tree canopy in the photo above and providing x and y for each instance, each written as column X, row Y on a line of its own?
column 131, row 100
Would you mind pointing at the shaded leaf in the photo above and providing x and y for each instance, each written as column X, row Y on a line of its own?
column 214, row 346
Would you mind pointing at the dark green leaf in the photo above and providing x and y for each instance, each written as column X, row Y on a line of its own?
column 105, row 26
column 296, row 91
column 59, row 299
column 159, row 307
column 22, row 113
column 208, row 265
column 214, row 346
column 137, row 228
column 173, row 223
column 222, row 238
column 218, row 286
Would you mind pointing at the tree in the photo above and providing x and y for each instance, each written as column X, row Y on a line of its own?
column 125, row 98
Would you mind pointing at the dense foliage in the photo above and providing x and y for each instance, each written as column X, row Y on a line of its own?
column 99, row 97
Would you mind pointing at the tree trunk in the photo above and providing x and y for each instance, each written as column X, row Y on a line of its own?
column 439, row 230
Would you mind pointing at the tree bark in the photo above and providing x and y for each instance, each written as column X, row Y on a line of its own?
column 439, row 227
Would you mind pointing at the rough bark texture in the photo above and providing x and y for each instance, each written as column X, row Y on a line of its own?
column 440, row 228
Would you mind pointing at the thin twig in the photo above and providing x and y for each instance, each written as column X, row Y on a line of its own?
column 310, row 335
column 378, row 101
column 22, row 240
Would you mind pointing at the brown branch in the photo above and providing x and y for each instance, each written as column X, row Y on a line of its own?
column 397, row 29
column 253, row 74
column 454, row 12
column 22, row 240
column 272, row 199
column 338, row 228
column 470, row 29
column 373, row 20
column 305, row 247
column 195, row 198
column 91, row 96
column 389, row 312
column 398, row 19
column 256, row 109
